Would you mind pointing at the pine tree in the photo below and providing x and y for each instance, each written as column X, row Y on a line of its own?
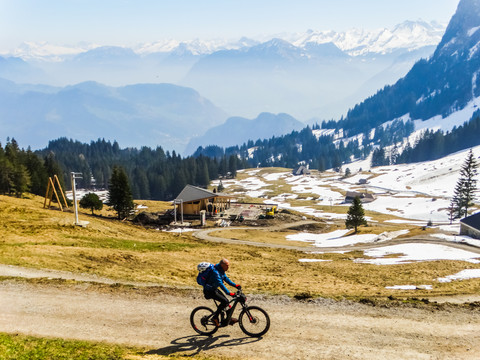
column 348, row 173
column 355, row 215
column 21, row 180
column 119, row 193
column 91, row 201
column 232, row 165
column 465, row 188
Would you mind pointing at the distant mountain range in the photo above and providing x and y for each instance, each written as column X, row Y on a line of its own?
column 317, row 74
column 237, row 130
column 136, row 115
column 407, row 35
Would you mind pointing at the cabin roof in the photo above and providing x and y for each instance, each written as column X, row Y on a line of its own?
column 193, row 193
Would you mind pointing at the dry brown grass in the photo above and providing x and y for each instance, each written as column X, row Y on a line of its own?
column 35, row 237
column 260, row 235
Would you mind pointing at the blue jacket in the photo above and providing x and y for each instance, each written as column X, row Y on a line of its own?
column 217, row 278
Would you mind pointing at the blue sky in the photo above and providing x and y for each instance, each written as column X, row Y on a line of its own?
column 126, row 22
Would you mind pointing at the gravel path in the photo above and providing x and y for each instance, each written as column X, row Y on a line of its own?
column 160, row 323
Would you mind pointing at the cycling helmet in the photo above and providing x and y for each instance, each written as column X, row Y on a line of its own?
column 203, row 266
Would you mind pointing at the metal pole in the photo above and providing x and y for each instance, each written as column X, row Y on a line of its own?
column 181, row 204
column 74, row 191
column 175, row 211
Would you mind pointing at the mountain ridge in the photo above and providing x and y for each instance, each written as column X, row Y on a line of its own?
column 153, row 115
column 356, row 38
column 238, row 130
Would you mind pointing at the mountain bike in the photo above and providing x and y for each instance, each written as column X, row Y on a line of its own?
column 253, row 320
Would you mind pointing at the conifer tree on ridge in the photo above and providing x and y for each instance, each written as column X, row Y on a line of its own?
column 465, row 188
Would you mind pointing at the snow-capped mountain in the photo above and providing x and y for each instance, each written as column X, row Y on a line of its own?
column 407, row 35
column 45, row 51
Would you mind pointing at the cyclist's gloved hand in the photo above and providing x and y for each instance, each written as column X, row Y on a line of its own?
column 238, row 286
column 232, row 294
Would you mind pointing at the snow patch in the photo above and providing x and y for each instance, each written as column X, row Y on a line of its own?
column 462, row 275
column 473, row 30
column 417, row 252
column 338, row 239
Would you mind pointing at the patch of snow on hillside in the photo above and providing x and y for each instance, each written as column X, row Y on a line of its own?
column 225, row 183
column 251, row 151
column 252, row 183
column 275, row 176
column 320, row 187
column 323, row 132
column 338, row 239
column 458, row 238
column 359, row 165
column 431, row 178
column 462, row 275
column 455, row 119
column 284, row 197
column 417, row 252
column 473, row 50
column 473, row 30
column 401, row 221
column 453, row 228
column 418, row 208
column 253, row 186
column 180, row 230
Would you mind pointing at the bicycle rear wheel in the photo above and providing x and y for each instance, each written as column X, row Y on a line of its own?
column 254, row 321
column 201, row 320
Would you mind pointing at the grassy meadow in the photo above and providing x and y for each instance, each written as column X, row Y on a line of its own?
column 21, row 347
column 35, row 237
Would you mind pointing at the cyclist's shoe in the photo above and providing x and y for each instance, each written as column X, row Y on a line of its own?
column 216, row 322
column 233, row 321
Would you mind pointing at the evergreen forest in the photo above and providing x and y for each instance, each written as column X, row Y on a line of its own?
column 161, row 175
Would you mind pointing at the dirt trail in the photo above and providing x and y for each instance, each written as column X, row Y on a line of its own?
column 205, row 235
column 160, row 322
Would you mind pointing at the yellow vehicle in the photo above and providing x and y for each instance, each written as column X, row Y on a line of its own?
column 271, row 211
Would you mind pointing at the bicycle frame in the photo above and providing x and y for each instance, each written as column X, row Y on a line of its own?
column 232, row 304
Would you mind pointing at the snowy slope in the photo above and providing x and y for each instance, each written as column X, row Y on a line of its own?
column 418, row 193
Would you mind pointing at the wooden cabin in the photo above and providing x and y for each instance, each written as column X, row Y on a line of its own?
column 301, row 170
column 195, row 199
column 364, row 197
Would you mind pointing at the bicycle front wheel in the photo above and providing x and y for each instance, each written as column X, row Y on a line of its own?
column 254, row 321
column 201, row 320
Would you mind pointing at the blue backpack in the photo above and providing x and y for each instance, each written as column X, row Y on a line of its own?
column 202, row 277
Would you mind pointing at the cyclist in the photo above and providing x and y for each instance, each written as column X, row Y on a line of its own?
column 211, row 288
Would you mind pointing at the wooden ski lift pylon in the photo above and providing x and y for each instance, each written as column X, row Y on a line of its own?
column 52, row 190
